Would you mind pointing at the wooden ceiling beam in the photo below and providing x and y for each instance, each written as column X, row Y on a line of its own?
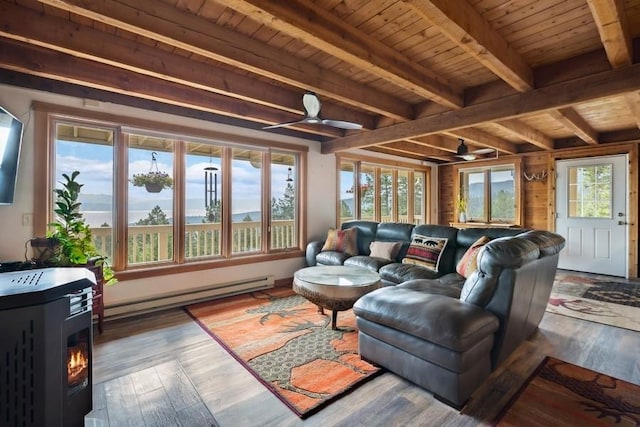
column 564, row 94
column 417, row 149
column 84, row 42
column 570, row 119
column 325, row 31
column 39, row 61
column 462, row 24
column 633, row 102
column 437, row 141
column 161, row 21
column 527, row 133
column 613, row 29
column 617, row 41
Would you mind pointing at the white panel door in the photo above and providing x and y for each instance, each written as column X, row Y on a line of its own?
column 591, row 213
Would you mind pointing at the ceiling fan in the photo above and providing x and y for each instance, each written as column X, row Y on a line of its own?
column 464, row 153
column 312, row 106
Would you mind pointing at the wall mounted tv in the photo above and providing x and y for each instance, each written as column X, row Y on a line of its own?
column 10, row 142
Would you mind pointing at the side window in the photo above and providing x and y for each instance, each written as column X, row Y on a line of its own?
column 490, row 193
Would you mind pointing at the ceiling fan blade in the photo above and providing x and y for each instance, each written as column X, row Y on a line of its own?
column 342, row 124
column 311, row 104
column 484, row 151
column 282, row 125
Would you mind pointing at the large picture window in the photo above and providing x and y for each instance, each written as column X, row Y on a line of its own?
column 177, row 200
column 378, row 192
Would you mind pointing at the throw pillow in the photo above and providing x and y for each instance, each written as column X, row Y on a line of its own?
column 425, row 251
column 386, row 250
column 342, row 241
column 469, row 261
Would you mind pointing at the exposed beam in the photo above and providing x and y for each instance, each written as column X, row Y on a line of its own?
column 84, row 42
column 614, row 32
column 227, row 46
column 540, row 100
column 43, row 62
column 461, row 23
column 417, row 149
column 570, row 119
column 633, row 102
column 526, row 132
column 334, row 36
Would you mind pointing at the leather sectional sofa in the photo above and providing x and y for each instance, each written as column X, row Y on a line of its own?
column 443, row 331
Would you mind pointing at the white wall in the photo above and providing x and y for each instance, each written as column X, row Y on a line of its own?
column 321, row 192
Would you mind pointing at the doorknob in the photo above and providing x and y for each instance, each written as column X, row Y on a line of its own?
column 623, row 223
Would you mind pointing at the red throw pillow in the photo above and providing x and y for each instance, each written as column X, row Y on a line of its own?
column 342, row 241
column 469, row 261
column 425, row 251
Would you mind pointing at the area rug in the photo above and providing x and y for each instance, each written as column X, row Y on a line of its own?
column 562, row 394
column 284, row 341
column 597, row 300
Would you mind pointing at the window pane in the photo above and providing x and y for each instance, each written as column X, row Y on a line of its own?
column 386, row 195
column 246, row 191
column 150, row 215
column 474, row 190
column 283, row 201
column 418, row 198
column 89, row 150
column 503, row 195
column 347, row 190
column 203, row 201
column 403, row 196
column 367, row 193
column 590, row 191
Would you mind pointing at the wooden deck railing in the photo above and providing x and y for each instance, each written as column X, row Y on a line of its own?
column 149, row 243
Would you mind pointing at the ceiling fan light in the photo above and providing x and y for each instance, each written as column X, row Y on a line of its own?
column 468, row 157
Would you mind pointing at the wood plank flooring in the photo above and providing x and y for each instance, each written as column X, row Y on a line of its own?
column 162, row 369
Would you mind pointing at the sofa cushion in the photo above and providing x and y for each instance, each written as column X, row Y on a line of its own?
column 366, row 233
column 469, row 261
column 385, row 250
column 331, row 258
column 425, row 251
column 438, row 319
column 342, row 241
column 372, row 263
column 397, row 272
column 448, row 259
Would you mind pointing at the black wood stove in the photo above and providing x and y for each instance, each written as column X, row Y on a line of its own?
column 45, row 347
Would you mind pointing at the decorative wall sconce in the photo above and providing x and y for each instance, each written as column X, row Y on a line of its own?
column 542, row 176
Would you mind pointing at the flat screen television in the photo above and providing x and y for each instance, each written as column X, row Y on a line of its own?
column 10, row 141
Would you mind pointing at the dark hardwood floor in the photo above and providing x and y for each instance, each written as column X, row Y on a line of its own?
column 162, row 369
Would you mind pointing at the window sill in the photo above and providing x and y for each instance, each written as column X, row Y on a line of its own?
column 472, row 224
column 168, row 269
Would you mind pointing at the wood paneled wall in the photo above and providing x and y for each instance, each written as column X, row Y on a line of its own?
column 539, row 196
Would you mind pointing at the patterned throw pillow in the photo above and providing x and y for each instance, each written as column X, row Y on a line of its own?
column 342, row 241
column 385, row 250
column 425, row 251
column 469, row 261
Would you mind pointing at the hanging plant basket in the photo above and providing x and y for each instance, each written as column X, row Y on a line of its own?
column 153, row 181
column 153, row 187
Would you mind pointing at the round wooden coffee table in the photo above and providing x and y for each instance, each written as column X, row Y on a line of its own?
column 335, row 288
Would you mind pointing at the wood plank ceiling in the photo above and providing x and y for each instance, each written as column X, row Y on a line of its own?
column 511, row 75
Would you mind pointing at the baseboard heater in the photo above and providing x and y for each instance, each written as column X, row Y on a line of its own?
column 178, row 299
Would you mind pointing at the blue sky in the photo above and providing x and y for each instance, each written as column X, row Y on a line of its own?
column 95, row 164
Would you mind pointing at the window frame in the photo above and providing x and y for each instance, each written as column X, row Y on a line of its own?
column 45, row 117
column 360, row 163
column 486, row 167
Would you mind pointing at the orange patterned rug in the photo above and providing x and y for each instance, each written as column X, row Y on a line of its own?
column 286, row 344
column 562, row 394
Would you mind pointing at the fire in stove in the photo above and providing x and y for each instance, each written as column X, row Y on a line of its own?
column 77, row 367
